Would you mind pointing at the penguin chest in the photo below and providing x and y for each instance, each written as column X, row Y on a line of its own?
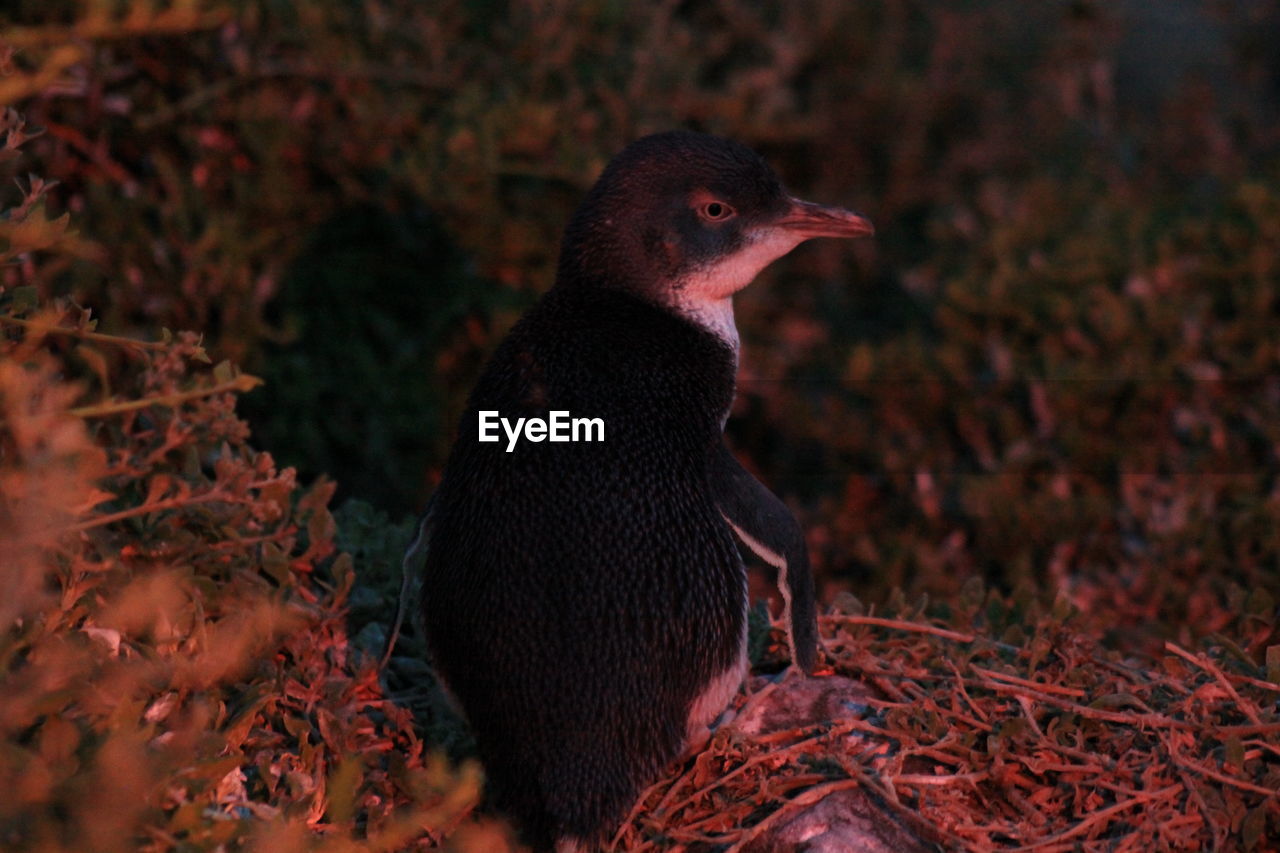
column 716, row 693
column 714, row 698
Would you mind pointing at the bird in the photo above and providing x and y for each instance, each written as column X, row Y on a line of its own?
column 584, row 601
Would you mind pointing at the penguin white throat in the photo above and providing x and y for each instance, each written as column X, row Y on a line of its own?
column 714, row 315
column 705, row 295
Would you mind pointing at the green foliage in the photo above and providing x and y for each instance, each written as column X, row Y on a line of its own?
column 377, row 546
column 758, row 625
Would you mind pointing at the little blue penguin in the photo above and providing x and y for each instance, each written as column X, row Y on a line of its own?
column 585, row 602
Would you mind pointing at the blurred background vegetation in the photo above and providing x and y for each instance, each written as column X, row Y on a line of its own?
column 1054, row 369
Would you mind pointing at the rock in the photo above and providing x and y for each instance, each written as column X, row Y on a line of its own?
column 844, row 821
column 795, row 701
column 849, row 821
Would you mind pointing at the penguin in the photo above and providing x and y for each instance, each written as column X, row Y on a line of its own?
column 585, row 601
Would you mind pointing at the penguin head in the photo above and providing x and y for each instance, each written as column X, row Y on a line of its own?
column 685, row 220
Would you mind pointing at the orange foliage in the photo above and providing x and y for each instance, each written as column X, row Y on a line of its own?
column 175, row 658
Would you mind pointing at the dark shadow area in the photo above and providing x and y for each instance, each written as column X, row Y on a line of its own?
column 354, row 385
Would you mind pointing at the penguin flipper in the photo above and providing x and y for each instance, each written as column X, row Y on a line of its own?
column 768, row 528
column 410, row 579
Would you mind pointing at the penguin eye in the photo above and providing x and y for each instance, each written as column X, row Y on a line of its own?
column 715, row 211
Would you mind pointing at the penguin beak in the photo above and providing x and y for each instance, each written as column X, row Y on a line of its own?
column 807, row 220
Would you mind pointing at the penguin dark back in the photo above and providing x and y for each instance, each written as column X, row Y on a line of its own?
column 582, row 591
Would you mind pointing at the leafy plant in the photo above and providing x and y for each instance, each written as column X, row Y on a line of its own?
column 176, row 659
